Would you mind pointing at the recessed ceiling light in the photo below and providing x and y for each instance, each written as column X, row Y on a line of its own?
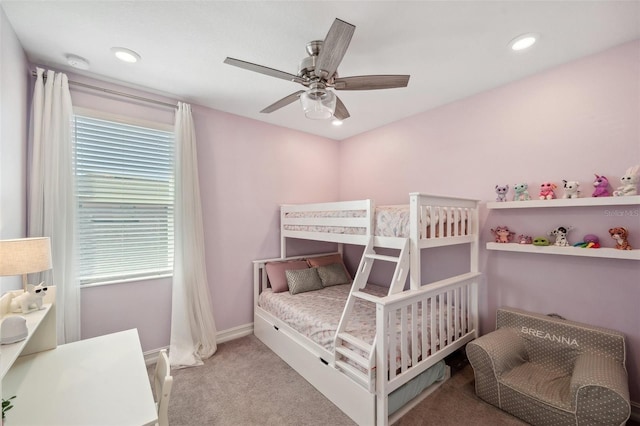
column 523, row 41
column 77, row 62
column 125, row 55
column 336, row 122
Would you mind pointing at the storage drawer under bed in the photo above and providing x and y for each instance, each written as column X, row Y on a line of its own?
column 349, row 396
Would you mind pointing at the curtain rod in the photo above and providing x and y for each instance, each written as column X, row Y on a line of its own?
column 114, row 92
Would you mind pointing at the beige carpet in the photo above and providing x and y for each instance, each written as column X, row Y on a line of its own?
column 245, row 384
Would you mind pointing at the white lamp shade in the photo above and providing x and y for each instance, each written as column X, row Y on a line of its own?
column 25, row 256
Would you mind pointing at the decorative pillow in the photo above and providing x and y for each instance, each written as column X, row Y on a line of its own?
column 328, row 260
column 333, row 274
column 303, row 280
column 276, row 273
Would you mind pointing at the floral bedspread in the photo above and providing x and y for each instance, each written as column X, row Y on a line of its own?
column 316, row 314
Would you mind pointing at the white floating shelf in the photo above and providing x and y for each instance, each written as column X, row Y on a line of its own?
column 12, row 351
column 567, row 251
column 566, row 202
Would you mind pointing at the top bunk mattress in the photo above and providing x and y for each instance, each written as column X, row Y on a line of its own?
column 389, row 221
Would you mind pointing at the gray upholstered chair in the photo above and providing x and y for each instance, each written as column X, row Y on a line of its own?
column 550, row 371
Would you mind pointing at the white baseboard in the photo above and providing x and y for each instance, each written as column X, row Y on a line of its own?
column 635, row 412
column 150, row 357
column 234, row 333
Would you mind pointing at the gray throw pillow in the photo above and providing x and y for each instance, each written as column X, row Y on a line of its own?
column 333, row 274
column 302, row 280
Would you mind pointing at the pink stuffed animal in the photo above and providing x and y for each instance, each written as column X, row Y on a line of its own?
column 502, row 234
column 546, row 191
column 602, row 187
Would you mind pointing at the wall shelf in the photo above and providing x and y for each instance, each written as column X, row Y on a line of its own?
column 569, row 202
column 609, row 253
column 41, row 326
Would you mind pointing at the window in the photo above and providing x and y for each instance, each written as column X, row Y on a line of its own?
column 125, row 192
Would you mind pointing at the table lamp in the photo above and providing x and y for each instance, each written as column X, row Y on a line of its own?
column 25, row 256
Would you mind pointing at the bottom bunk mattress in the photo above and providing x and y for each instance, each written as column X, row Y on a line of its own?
column 316, row 314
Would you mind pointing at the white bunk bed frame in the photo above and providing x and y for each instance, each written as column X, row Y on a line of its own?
column 364, row 396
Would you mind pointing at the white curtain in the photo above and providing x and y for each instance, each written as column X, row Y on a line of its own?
column 52, row 193
column 193, row 330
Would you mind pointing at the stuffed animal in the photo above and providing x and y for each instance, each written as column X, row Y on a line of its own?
column 30, row 300
column 571, row 188
column 602, row 187
column 540, row 241
column 525, row 239
column 502, row 234
column 561, row 236
column 546, row 191
column 589, row 241
column 521, row 192
column 629, row 182
column 621, row 236
column 502, row 192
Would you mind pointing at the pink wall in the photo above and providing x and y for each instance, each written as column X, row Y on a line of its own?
column 566, row 123
column 247, row 169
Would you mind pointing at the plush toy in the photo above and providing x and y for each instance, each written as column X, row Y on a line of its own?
column 502, row 234
column 540, row 241
column 602, row 187
column 561, row 236
column 571, row 188
column 621, row 236
column 502, row 192
column 521, row 192
column 525, row 239
column 589, row 241
column 546, row 191
column 30, row 300
column 629, row 182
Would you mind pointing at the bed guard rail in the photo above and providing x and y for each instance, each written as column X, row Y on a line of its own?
column 422, row 327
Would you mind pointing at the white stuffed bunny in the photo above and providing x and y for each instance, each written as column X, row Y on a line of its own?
column 629, row 182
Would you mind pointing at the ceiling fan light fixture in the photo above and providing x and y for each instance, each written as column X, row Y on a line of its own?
column 318, row 103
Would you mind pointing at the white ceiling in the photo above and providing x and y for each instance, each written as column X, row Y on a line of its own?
column 452, row 49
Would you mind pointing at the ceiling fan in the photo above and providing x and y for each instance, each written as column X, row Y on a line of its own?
column 318, row 72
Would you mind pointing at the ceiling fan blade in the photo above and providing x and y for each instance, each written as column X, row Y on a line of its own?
column 262, row 69
column 333, row 49
column 283, row 102
column 341, row 112
column 371, row 82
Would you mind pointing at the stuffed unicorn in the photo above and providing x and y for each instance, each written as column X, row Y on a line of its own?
column 602, row 187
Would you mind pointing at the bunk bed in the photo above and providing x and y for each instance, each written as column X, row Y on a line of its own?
column 382, row 351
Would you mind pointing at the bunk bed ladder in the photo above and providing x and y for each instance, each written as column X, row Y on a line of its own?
column 352, row 352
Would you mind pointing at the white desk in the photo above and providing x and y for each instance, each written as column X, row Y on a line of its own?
column 95, row 382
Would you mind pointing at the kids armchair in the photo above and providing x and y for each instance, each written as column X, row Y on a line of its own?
column 550, row 371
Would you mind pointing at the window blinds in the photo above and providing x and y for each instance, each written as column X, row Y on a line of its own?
column 125, row 192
